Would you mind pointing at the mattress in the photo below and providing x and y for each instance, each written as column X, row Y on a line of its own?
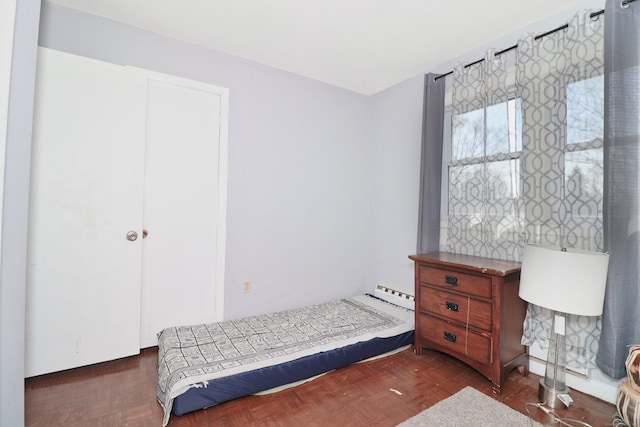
column 204, row 365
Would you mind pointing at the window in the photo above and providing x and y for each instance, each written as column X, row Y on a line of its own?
column 483, row 200
column 583, row 161
column 484, row 177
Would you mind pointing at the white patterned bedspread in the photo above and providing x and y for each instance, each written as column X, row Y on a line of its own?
column 190, row 356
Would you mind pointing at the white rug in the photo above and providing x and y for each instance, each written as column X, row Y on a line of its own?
column 469, row 408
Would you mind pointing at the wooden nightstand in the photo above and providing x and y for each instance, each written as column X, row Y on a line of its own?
column 468, row 307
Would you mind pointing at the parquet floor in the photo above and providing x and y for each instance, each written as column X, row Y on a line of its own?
column 381, row 392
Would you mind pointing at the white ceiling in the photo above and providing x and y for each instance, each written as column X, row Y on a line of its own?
column 362, row 45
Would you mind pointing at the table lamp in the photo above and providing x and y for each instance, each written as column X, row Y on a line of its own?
column 565, row 281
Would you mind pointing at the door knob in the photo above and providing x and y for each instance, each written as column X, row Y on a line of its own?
column 145, row 233
column 132, row 236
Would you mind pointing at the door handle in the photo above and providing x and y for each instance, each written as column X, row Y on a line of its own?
column 145, row 233
column 132, row 236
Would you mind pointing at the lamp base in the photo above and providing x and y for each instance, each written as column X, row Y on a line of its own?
column 554, row 398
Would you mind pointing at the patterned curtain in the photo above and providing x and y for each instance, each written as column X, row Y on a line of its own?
column 485, row 207
column 526, row 160
column 560, row 81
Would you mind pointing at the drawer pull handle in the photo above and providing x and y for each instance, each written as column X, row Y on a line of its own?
column 451, row 306
column 449, row 336
column 451, row 280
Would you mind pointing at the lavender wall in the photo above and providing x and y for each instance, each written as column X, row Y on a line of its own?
column 299, row 164
column 397, row 124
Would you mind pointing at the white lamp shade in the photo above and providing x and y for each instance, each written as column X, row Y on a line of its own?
column 568, row 281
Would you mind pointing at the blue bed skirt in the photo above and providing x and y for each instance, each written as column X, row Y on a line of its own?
column 247, row 383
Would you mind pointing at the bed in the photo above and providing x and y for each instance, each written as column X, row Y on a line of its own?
column 205, row 365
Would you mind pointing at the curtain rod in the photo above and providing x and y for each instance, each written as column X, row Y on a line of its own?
column 623, row 3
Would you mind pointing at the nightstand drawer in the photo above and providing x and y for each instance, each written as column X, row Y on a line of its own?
column 454, row 338
column 459, row 282
column 456, row 307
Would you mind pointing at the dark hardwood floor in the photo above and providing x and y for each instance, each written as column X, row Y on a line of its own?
column 382, row 392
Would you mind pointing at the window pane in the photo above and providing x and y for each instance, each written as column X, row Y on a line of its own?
column 466, row 202
column 503, row 131
column 484, row 209
column 467, row 138
column 466, row 190
column 584, row 173
column 504, row 181
column 504, row 128
column 585, row 110
column 583, row 180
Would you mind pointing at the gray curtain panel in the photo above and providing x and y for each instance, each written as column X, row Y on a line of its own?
column 621, row 318
column 431, row 165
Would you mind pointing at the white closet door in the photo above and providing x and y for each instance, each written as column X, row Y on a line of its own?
column 182, row 204
column 83, row 283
